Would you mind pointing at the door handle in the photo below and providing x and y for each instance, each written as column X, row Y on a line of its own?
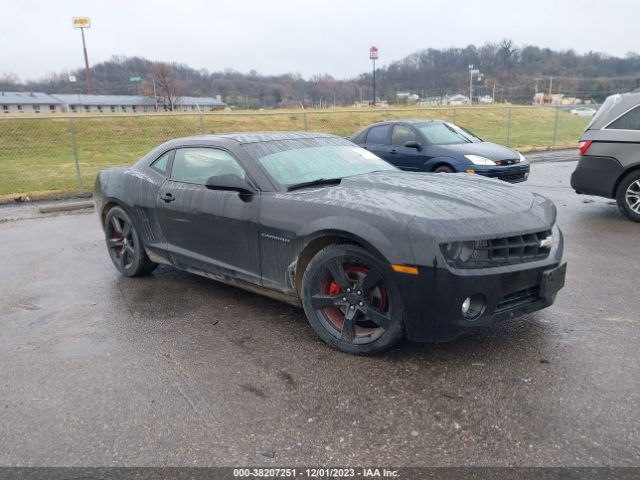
column 167, row 197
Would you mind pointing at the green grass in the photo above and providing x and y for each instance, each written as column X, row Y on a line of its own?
column 36, row 155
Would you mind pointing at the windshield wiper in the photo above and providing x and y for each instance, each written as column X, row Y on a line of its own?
column 312, row 183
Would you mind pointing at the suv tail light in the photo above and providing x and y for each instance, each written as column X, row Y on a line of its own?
column 584, row 146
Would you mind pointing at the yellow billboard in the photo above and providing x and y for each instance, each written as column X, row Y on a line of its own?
column 81, row 22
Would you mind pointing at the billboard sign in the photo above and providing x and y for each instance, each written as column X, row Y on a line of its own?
column 81, row 22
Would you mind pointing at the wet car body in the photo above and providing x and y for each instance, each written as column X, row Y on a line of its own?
column 409, row 145
column 264, row 239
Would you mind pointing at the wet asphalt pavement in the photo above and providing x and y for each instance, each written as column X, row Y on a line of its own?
column 173, row 369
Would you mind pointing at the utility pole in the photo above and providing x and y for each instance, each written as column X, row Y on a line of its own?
column 373, row 55
column 550, row 86
column 82, row 23
column 472, row 72
column 493, row 95
column 155, row 95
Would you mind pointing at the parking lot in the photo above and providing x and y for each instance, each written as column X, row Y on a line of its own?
column 174, row 369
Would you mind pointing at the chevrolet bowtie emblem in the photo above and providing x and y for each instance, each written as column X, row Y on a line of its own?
column 547, row 242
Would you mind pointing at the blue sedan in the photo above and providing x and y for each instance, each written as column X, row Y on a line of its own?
column 441, row 147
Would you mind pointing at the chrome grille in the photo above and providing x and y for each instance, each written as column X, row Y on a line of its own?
column 498, row 251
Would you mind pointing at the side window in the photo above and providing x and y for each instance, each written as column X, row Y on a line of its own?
column 361, row 137
column 196, row 165
column 629, row 121
column 401, row 135
column 379, row 135
column 162, row 164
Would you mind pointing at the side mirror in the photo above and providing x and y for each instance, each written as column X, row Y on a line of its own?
column 413, row 144
column 229, row 183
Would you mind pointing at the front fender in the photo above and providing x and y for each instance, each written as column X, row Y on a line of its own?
column 434, row 162
column 390, row 241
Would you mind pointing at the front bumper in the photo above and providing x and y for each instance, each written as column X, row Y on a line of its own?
column 512, row 173
column 433, row 299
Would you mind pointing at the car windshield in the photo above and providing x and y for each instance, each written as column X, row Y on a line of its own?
column 443, row 133
column 295, row 161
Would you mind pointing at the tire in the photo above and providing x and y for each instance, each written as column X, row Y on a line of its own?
column 628, row 196
column 443, row 169
column 351, row 300
column 124, row 245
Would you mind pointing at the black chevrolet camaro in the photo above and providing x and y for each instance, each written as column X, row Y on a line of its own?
column 370, row 252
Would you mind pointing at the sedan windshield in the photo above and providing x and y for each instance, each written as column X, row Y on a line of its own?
column 298, row 161
column 446, row 134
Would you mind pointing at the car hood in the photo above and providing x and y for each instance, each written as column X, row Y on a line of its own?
column 442, row 199
column 489, row 150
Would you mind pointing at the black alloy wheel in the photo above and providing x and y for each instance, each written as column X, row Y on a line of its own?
column 125, row 249
column 351, row 301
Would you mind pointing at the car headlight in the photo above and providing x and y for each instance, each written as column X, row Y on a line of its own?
column 462, row 252
column 458, row 251
column 522, row 159
column 478, row 160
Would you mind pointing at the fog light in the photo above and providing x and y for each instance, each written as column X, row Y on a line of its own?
column 466, row 305
column 473, row 306
column 526, row 174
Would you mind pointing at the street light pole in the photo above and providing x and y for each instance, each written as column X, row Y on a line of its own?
column 472, row 72
column 470, row 84
column 82, row 23
column 155, row 96
column 86, row 64
column 373, row 55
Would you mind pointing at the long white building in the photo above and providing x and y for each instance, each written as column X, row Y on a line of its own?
column 38, row 102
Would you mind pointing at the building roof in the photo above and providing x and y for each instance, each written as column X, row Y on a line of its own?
column 204, row 101
column 82, row 99
column 104, row 100
column 27, row 98
column 39, row 98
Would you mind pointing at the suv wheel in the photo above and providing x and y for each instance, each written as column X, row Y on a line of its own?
column 628, row 196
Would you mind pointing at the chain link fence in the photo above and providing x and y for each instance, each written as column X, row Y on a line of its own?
column 60, row 155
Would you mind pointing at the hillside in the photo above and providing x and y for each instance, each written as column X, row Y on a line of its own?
column 517, row 74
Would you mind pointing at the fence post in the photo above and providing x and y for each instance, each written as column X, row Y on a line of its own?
column 509, row 126
column 454, row 115
column 74, row 153
column 555, row 128
column 304, row 113
column 201, row 122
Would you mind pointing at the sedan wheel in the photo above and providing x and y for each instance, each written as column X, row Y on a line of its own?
column 351, row 301
column 628, row 196
column 125, row 249
column 443, row 169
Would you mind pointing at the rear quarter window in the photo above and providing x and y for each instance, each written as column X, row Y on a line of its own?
column 378, row 135
column 162, row 164
column 360, row 137
column 628, row 121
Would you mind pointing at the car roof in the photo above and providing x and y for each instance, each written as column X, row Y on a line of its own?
column 412, row 121
column 249, row 137
column 620, row 103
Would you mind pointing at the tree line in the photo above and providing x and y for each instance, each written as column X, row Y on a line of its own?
column 510, row 73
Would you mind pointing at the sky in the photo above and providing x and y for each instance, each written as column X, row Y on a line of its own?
column 298, row 36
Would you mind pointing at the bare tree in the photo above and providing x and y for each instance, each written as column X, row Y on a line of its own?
column 165, row 86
